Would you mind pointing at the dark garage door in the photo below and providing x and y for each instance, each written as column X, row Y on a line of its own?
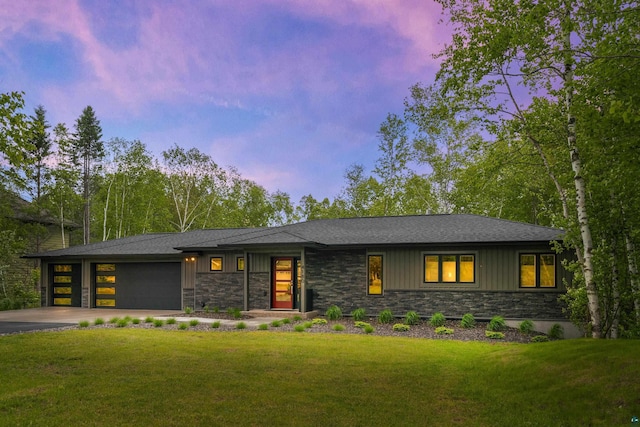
column 153, row 286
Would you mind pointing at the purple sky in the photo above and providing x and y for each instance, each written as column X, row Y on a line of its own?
column 290, row 92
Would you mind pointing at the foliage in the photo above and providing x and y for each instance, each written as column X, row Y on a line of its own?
column 468, row 321
column 121, row 323
column 526, row 327
column 319, row 321
column 183, row 326
column 297, row 318
column 338, row 327
column 276, row 323
column 158, row 323
column 188, row 310
column 135, row 321
column 437, row 319
column 443, row 330
column 299, row 328
column 540, row 338
column 263, row 327
column 241, row 325
column 98, row 321
column 194, row 322
column 148, row 319
column 171, row 321
column 411, row 318
column 556, row 332
column 496, row 324
column 216, row 324
column 83, row 323
column 359, row 314
column 368, row 329
column 361, row 325
column 307, row 324
column 385, row 316
column 286, row 321
column 494, row 335
column 114, row 320
column 334, row 313
column 401, row 327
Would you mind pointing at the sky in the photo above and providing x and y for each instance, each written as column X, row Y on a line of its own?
column 288, row 92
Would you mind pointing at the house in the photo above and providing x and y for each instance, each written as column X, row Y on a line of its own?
column 454, row 264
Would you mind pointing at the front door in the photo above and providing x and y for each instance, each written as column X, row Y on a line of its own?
column 283, row 283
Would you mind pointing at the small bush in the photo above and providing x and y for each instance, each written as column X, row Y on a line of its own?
column 216, row 324
column 297, row 318
column 114, row 320
column 437, row 319
column 540, row 338
column 385, row 316
column 188, row 310
column 216, row 309
column 237, row 313
column 194, row 322
column 307, row 325
column 401, row 327
column 299, row 328
column 338, row 327
column 171, row 321
column 468, row 321
column 122, row 323
column 263, row 327
column 359, row 314
column 494, row 335
column 334, row 313
column 206, row 309
column 276, row 323
column 83, row 324
column 148, row 319
column 135, row 321
column 368, row 329
column 98, row 321
column 182, row 326
column 127, row 318
column 556, row 332
column 497, row 324
column 411, row 318
column 158, row 323
column 361, row 325
column 319, row 321
column 241, row 325
column 443, row 330
column 286, row 321
column 526, row 327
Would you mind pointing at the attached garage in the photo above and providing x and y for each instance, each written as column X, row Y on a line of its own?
column 144, row 285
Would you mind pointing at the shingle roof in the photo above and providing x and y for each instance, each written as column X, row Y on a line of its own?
column 373, row 231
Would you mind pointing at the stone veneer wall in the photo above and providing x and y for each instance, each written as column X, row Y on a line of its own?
column 187, row 298
column 222, row 290
column 259, row 289
column 339, row 277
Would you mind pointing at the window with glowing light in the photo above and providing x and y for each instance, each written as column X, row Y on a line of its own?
column 449, row 268
column 375, row 275
column 216, row 263
column 240, row 263
column 537, row 271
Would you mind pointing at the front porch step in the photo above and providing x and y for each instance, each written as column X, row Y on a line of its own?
column 281, row 314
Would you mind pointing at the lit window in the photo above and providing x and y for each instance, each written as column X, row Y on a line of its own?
column 537, row 271
column 449, row 268
column 240, row 263
column 216, row 263
column 375, row 275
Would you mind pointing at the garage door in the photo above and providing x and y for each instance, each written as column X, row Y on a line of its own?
column 153, row 286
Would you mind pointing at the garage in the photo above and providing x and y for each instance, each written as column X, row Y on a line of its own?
column 144, row 285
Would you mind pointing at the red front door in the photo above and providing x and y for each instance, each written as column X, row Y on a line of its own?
column 282, row 287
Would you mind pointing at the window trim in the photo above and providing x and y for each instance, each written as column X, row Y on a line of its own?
column 221, row 258
column 440, row 256
column 537, row 257
column 382, row 273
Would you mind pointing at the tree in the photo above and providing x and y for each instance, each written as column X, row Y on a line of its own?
column 13, row 131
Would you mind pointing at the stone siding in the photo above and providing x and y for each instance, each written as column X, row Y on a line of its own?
column 187, row 298
column 339, row 277
column 259, row 291
column 222, row 290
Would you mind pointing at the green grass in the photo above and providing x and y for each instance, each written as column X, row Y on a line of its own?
column 79, row 377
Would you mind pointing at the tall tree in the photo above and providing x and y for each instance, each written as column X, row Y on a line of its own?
column 13, row 137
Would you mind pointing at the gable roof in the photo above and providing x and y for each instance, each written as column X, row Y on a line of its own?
column 369, row 231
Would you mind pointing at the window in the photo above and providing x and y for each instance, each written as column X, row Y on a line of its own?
column 537, row 271
column 240, row 263
column 375, row 275
column 216, row 263
column 449, row 268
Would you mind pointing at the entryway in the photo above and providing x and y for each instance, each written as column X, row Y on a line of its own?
column 285, row 284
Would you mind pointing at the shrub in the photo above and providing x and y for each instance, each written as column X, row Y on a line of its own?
column 135, row 321
column 158, row 322
column 114, row 320
column 359, row 314
column 216, row 309
column 237, row 313
column 241, row 325
column 148, row 319
column 83, row 324
column 497, row 324
column 188, row 310
column 401, row 327
column 494, row 335
column 216, row 324
column 411, row 318
column 385, row 316
column 122, row 323
column 183, row 326
column 307, row 325
column 127, row 318
column 194, row 322
column 276, row 323
column 171, row 321
column 556, row 332
column 206, row 309
column 443, row 330
column 361, row 325
column 338, row 327
column 319, row 321
column 540, row 338
column 263, row 327
column 368, row 329
column 297, row 318
column 286, row 321
column 299, row 328
column 526, row 327
column 437, row 319
column 468, row 321
column 98, row 321
column 334, row 313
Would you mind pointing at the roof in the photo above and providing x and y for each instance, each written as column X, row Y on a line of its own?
column 370, row 231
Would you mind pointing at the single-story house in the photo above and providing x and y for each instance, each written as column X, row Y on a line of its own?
column 454, row 264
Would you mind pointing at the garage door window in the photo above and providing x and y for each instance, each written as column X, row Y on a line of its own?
column 105, row 285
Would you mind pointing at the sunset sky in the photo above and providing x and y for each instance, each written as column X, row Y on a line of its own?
column 290, row 92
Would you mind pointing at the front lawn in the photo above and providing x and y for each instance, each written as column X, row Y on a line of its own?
column 159, row 377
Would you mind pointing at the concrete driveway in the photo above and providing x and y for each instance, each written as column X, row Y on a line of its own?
column 33, row 319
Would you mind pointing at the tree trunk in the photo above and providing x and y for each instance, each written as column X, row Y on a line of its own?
column 615, row 293
column 633, row 274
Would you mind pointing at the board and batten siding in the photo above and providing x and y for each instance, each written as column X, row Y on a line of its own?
column 497, row 268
